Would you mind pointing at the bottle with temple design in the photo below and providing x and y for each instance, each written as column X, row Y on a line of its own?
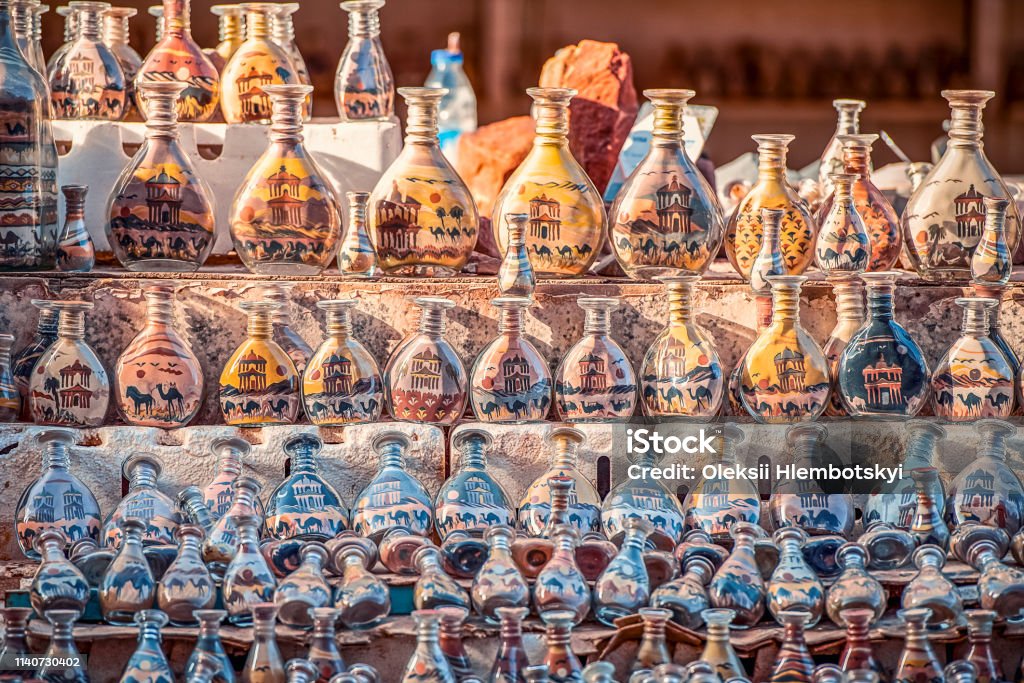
column 364, row 88
column 285, row 337
column 106, row 99
column 714, row 504
column 23, row 362
column 394, row 498
column 258, row 60
column 584, row 506
column 471, row 499
column 644, row 497
column 160, row 514
column 988, row 491
column 567, row 227
column 231, row 453
column 832, row 159
column 305, row 505
column 895, row 504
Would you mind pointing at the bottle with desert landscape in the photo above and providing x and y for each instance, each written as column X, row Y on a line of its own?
column 87, row 82
column 258, row 62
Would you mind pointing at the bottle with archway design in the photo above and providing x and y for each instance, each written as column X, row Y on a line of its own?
column 714, row 504
column 744, row 231
column 103, row 93
column 305, row 505
column 584, row 507
column 258, row 62
column 987, row 491
column 567, row 222
column 394, row 498
column 666, row 219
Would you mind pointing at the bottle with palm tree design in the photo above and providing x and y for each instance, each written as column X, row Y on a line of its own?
column 258, row 62
column 364, row 88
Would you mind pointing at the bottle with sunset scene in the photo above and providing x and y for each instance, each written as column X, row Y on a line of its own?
column 257, row 63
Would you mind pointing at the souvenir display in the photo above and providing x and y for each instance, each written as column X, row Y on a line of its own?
column 394, row 497
column 364, row 88
column 75, row 250
column 257, row 63
column 145, row 502
column 356, row 257
column 584, row 506
column 472, row 499
column 515, row 275
column 87, row 82
column 304, row 504
column 832, row 159
column 116, row 36
column 714, row 504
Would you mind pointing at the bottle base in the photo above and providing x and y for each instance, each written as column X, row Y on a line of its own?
column 423, row 271
column 162, row 266
column 286, row 269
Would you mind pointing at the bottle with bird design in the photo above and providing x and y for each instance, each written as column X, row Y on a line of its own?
column 209, row 644
column 258, row 62
column 264, row 663
column 305, row 505
column 106, row 97
column 364, row 88
column 428, row 663
column 832, row 159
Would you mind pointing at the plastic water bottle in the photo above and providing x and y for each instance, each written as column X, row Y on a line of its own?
column 458, row 108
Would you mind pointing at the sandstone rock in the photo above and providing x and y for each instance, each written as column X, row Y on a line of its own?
column 487, row 157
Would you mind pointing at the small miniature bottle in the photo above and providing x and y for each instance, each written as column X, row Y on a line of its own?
column 624, row 585
column 144, row 501
column 918, row 661
column 1000, row 586
column 718, row 650
column 510, row 381
column 186, row 587
column 471, row 499
column 116, row 36
column 248, row 581
column 305, row 589
column 515, row 275
column 584, row 509
column 794, row 663
column 931, row 589
column 363, row 598
column 231, row 34
column 127, row 585
column 258, row 62
column 24, row 361
column 686, row 597
column 427, row 662
column 738, row 585
column 992, row 261
column 220, row 546
column 850, row 315
column 209, row 644
column 653, row 650
column 434, row 588
column 75, row 250
column 511, row 661
column 394, row 497
column 843, row 245
column 148, row 662
column 323, row 644
column 832, row 159
column 87, row 82
column 57, row 583
column 855, row 588
column 425, row 380
column 357, row 257
column 793, row 585
column 364, row 88
column 264, row 663
column 927, row 524
column 283, row 32
column 231, row 453
column 304, row 504
column 562, row 662
column 259, row 384
column 561, row 585
column 69, row 386
column 62, row 659
column 499, row 583
column 15, row 632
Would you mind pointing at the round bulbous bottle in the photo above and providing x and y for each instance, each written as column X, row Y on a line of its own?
column 744, row 230
column 423, row 220
column 843, row 245
column 666, row 219
column 258, row 62
column 943, row 220
column 393, row 497
column 177, row 58
column 737, row 585
column 515, row 274
column 127, row 585
column 856, row 588
column 148, row 662
column 510, row 381
column 561, row 585
column 793, row 585
column 144, row 501
column 259, row 384
column 425, row 380
column 160, row 212
column 584, row 510
column 57, row 583
column 87, row 82
column 833, row 158
column 186, row 587
column 285, row 218
column 595, row 381
column 715, row 503
column 918, row 661
column 499, row 583
column 987, row 490
column 882, row 371
column 364, row 599
column 305, row 505
column 644, row 497
column 145, row 397
column 75, row 251
column 24, row 360
column 567, row 220
column 624, row 586
column 681, row 374
column 686, row 597
column 471, row 499
column 305, row 589
column 931, row 589
column 248, row 581
column 992, row 261
column 364, row 88
column 434, row 588
column 356, row 257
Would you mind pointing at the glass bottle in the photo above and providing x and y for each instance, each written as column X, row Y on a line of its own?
column 793, row 585
column 283, row 33
column 157, row 12
column 511, row 661
column 231, row 34
column 843, row 245
column 305, row 589
column 56, row 584
column 563, row 664
column 248, row 581
column 537, row 673
column 356, row 257
column 653, row 649
column 1000, row 587
column 979, row 635
column 832, row 159
column 176, row 58
column 393, row 497
column 23, row 362
column 145, row 502
column 995, row 333
column 744, row 230
column 715, row 503
column 850, row 316
column 434, row 588
column 61, row 655
column 22, row 17
column 285, row 218
column 471, row 499
column 158, row 352
column 304, row 504
column 917, row 661
column 427, row 663
column 882, row 371
column 186, row 587
column 323, row 644
column 75, row 250
column 300, row 671
column 160, row 212
column 792, row 380
column 88, row 81
column 425, row 380
column 510, row 381
column 666, row 219
column 943, row 220
column 686, row 597
column 624, row 585
column 561, row 585
column 887, row 545
column 116, row 36
column 718, row 650
column 515, row 275
column 855, row 588
column 927, row 525
column 363, row 598
column 283, row 334
column 231, row 453
column 857, row 653
column 992, row 261
column 794, row 663
column 763, row 319
column 15, row 632
column 452, row 621
column 259, row 384
column 264, row 663
column 148, row 663
column 584, row 508
column 973, row 379
column 415, row 196
column 221, row 543
column 257, row 63
column 57, row 499
column 595, row 381
column 561, row 243
column 127, row 585
column 987, row 490
column 69, row 385
column 364, row 88
column 931, row 589
column 737, row 585
column 499, row 583
column 208, row 642
column 644, row 497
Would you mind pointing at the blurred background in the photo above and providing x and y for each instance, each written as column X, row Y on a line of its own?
column 769, row 66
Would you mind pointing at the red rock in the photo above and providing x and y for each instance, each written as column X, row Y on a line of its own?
column 487, row 157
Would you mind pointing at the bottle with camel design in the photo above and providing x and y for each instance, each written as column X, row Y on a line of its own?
column 882, row 370
column 644, row 497
column 584, row 511
column 843, row 244
column 567, row 225
column 117, row 36
column 158, row 511
column 394, row 498
column 158, row 380
column 69, row 386
column 424, row 379
column 285, row 218
column 258, row 62
column 423, row 221
column 75, row 250
column 973, row 379
column 304, row 504
column 714, row 504
column 745, row 229
column 785, row 374
column 177, row 58
column 511, row 382
column 160, row 214
column 259, row 384
column 24, row 360
column 832, row 158
column 944, row 217
column 987, row 491
column 341, row 384
column 595, row 381
column 895, row 504
column 104, row 96
column 364, row 88
column 471, row 500
column 666, row 219
column 681, row 372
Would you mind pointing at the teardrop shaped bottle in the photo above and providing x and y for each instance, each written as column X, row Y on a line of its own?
column 624, row 586
column 258, row 62
column 932, row 589
column 718, row 650
column 427, row 662
column 364, row 88
column 248, row 581
column 304, row 504
column 264, row 663
column 918, row 661
column 848, row 123
column 561, row 585
column 737, row 585
column 855, row 588
column 992, row 261
column 57, row 583
column 394, row 497
column 793, row 585
column 186, row 587
column 87, row 82
column 499, row 583
column 24, row 361
column 127, row 585
column 305, row 589
column 148, row 663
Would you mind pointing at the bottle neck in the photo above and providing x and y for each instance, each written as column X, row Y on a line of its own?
column 473, row 457
column 857, row 159
column 880, row 300
column 284, row 29
column 56, row 456
column 149, row 633
column 52, row 552
column 979, row 632
column 793, row 635
column 511, row 632
column 785, row 304
column 516, row 235
column 668, row 128
column 325, row 631
column 857, row 631
column 391, row 456
column 966, row 129
column 559, row 497
column 427, row 636
column 339, row 323
column 718, row 632
column 244, row 500
column 565, row 456
column 771, row 163
column 263, row 628
column 72, row 325
column 209, row 628
column 843, row 193
column 230, row 462
column 680, row 304
column 248, row 536
column 176, row 18
column 510, row 321
column 47, row 324
column 421, row 121
column 260, row 324
column 992, row 444
column 192, row 546
column 159, row 308
column 598, row 322
column 21, row 19
column 428, row 563
column 558, row 636
column 62, row 635
column 230, row 28
column 116, row 29
column 70, row 26
column 74, row 205
column 257, row 25
column 848, row 122
column 132, row 543
column 849, row 301
column 654, row 632
column 313, row 564
column 143, row 476
column 304, row 460
column 286, row 118
column 363, row 24
column 162, row 115
column 975, row 322
column 88, row 24
column 499, row 546
column 552, row 122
